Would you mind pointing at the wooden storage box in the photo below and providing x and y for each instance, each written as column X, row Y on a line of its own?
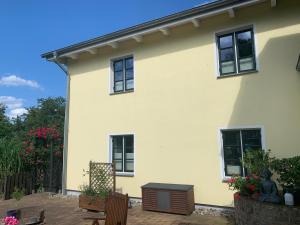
column 171, row 198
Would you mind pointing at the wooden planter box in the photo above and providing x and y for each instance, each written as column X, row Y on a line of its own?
column 92, row 203
column 171, row 198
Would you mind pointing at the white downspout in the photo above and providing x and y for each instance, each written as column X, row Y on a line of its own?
column 66, row 126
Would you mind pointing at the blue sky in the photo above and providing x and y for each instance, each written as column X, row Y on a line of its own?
column 32, row 27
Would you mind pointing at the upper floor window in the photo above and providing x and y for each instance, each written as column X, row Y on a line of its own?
column 123, row 74
column 236, row 52
column 235, row 143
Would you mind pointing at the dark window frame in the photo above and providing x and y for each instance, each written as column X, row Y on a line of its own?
column 241, row 145
column 124, row 160
column 124, row 77
column 220, row 49
column 253, row 50
column 237, row 67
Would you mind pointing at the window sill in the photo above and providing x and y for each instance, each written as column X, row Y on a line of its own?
column 225, row 179
column 121, row 92
column 124, row 174
column 237, row 74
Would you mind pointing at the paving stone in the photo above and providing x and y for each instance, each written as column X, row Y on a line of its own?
column 61, row 210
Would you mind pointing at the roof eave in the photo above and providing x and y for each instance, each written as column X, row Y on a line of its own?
column 186, row 16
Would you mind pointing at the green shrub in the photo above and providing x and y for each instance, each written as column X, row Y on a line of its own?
column 10, row 161
column 18, row 194
column 255, row 160
column 288, row 170
column 88, row 191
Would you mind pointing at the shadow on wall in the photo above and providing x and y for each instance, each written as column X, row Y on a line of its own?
column 271, row 97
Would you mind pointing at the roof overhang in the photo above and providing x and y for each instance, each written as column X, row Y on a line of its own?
column 194, row 16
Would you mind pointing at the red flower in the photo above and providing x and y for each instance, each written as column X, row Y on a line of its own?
column 247, row 178
column 232, row 180
column 237, row 196
column 251, row 187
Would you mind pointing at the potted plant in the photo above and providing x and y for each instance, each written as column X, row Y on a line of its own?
column 248, row 186
column 288, row 170
column 17, row 195
column 91, row 199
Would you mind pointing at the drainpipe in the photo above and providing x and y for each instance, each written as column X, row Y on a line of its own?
column 66, row 125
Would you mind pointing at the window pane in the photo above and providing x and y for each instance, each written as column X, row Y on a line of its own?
column 251, row 139
column 117, row 142
column 129, row 84
column 119, row 76
column 244, row 42
column 129, row 155
column 232, row 153
column 226, row 41
column 129, row 74
column 129, row 63
column 129, row 166
column 227, row 67
column 128, row 144
column 119, row 86
column 227, row 54
column 118, row 165
column 118, row 65
column 246, row 64
column 117, row 146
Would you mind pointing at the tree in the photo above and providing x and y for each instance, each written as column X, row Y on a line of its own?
column 49, row 112
column 5, row 125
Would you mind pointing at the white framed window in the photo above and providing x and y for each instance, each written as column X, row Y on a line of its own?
column 236, row 51
column 122, row 153
column 122, row 76
column 235, row 142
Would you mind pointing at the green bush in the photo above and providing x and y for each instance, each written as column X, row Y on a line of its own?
column 10, row 161
column 288, row 170
column 88, row 191
column 256, row 160
column 18, row 194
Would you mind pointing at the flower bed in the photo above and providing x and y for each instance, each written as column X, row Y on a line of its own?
column 252, row 212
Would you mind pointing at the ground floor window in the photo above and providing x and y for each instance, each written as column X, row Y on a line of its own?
column 235, row 142
column 123, row 152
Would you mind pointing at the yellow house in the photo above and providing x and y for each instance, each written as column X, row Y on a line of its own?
column 179, row 99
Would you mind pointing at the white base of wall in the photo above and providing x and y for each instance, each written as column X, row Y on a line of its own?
column 72, row 193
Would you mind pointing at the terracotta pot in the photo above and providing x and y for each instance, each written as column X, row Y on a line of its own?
column 92, row 202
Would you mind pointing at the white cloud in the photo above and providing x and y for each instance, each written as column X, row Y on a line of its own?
column 15, row 81
column 17, row 112
column 14, row 106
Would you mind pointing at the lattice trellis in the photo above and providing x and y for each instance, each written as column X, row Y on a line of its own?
column 102, row 177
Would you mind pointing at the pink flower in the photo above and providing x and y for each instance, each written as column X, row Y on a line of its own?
column 10, row 220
